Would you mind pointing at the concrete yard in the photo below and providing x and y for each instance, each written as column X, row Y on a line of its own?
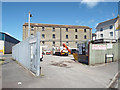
column 58, row 72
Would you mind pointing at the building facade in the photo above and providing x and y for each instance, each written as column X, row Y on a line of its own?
column 6, row 43
column 108, row 29
column 56, row 35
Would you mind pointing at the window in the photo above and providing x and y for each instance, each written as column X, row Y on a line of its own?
column 84, row 30
column 66, row 29
column 25, row 26
column 31, row 26
column 76, row 37
column 76, row 42
column 53, row 29
column 101, row 29
column 53, row 35
column 53, row 42
column 101, row 35
column 43, row 42
column 32, row 29
column 43, row 29
column 85, row 37
column 43, row 35
column 111, row 26
column 66, row 36
column 67, row 43
column 111, row 33
column 75, row 30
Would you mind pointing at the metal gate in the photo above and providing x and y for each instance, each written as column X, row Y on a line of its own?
column 27, row 53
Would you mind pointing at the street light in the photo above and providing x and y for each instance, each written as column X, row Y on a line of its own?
column 30, row 15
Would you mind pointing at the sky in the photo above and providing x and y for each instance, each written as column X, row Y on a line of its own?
column 15, row 14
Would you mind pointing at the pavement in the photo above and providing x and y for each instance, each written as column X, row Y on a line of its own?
column 58, row 72
column 1, row 58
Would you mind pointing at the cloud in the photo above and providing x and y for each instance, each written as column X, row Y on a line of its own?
column 80, row 22
column 113, row 14
column 91, row 3
column 91, row 21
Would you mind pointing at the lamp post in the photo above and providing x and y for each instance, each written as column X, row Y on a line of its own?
column 30, row 15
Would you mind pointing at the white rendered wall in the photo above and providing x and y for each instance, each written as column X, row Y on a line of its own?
column 1, row 46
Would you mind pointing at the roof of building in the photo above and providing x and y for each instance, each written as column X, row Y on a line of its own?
column 55, row 25
column 106, row 23
column 9, row 38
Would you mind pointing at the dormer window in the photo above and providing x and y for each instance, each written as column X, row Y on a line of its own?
column 111, row 26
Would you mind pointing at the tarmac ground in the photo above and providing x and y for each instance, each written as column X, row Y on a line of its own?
column 58, row 72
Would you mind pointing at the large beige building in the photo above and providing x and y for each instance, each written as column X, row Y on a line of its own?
column 56, row 35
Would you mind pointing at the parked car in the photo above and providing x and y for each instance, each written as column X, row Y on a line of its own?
column 43, row 53
column 48, row 52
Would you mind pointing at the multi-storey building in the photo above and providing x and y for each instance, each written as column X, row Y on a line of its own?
column 56, row 35
column 6, row 43
column 108, row 29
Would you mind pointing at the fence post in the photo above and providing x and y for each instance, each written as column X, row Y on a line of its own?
column 113, row 58
column 105, row 58
column 89, row 53
column 38, row 54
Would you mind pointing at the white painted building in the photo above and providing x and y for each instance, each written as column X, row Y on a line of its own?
column 108, row 29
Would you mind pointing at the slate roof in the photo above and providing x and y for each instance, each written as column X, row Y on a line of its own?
column 55, row 25
column 106, row 23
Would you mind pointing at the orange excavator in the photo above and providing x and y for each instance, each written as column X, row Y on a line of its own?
column 63, row 50
column 64, row 45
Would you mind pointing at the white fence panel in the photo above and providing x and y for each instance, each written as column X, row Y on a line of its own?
column 22, row 53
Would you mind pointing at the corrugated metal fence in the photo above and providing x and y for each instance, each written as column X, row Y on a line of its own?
column 27, row 53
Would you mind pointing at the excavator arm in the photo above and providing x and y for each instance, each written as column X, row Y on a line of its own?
column 64, row 45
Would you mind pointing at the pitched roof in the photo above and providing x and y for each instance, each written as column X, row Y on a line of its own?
column 55, row 25
column 106, row 23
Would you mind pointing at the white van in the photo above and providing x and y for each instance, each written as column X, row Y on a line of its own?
column 41, row 55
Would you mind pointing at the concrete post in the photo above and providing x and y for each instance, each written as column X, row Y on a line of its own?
column 38, row 54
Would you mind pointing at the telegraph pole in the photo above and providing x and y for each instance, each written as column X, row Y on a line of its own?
column 60, row 37
column 29, row 25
